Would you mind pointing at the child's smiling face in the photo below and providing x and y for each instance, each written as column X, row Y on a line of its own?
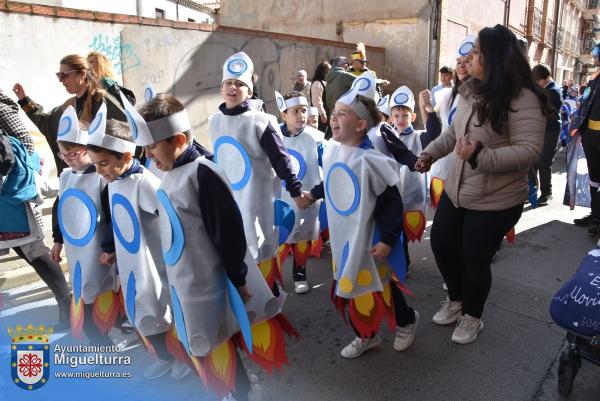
column 234, row 92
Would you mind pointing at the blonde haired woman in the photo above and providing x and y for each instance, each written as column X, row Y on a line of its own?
column 103, row 71
column 78, row 79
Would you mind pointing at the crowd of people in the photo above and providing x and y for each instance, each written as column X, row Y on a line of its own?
column 187, row 246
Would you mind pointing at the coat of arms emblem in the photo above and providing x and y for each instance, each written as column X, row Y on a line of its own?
column 30, row 356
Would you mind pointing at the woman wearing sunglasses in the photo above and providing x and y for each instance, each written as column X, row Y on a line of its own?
column 78, row 79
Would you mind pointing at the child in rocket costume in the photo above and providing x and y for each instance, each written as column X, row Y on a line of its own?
column 386, row 140
column 360, row 189
column 413, row 184
column 81, row 226
column 445, row 110
column 134, row 214
column 216, row 289
column 305, row 147
column 248, row 147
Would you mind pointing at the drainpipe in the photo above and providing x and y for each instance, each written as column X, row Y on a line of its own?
column 177, row 10
column 506, row 12
column 138, row 8
column 434, row 36
column 557, row 16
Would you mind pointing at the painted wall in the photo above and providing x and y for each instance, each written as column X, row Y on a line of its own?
column 399, row 26
column 189, row 65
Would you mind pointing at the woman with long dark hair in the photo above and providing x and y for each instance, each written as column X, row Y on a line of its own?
column 497, row 134
column 317, row 89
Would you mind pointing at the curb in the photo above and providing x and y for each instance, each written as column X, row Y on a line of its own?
column 24, row 275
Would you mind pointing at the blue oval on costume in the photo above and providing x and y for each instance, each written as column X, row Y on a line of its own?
column 343, row 259
column 77, row 282
column 236, row 186
column 133, row 246
column 89, row 204
column 237, row 66
column 301, row 163
column 362, row 83
column 98, row 120
column 354, row 179
column 147, row 163
column 130, row 300
column 173, row 253
column 132, row 124
column 465, row 49
column 401, row 98
column 179, row 320
column 65, row 130
column 382, row 101
column 451, row 115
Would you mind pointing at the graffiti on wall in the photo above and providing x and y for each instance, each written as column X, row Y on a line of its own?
column 122, row 55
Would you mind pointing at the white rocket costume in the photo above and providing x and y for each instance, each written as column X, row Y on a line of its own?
column 238, row 151
column 133, row 206
column 207, row 308
column 81, row 223
column 413, row 185
column 302, row 149
column 446, row 112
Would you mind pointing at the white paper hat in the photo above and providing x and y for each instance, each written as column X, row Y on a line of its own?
column 280, row 101
column 139, row 129
column 366, row 84
column 313, row 111
column 384, row 105
column 284, row 104
column 465, row 47
column 403, row 96
column 149, row 92
column 350, row 100
column 146, row 133
column 98, row 137
column 68, row 128
column 240, row 67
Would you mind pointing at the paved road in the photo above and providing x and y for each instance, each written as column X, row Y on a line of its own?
column 514, row 359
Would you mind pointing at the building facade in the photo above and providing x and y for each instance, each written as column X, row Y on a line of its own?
column 177, row 10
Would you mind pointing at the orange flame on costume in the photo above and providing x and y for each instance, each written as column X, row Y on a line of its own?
column 414, row 225
column 271, row 271
column 435, row 191
column 105, row 311
column 219, row 368
column 77, row 316
column 365, row 312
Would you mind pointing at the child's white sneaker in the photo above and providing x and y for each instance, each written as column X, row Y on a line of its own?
column 406, row 335
column 301, row 287
column 179, row 370
column 157, row 369
column 359, row 345
column 467, row 329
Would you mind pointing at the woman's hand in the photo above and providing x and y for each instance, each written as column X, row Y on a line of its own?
column 380, row 251
column 19, row 91
column 323, row 118
column 464, row 148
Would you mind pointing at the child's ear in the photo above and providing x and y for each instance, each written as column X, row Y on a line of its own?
column 283, row 115
column 180, row 140
column 127, row 157
column 413, row 117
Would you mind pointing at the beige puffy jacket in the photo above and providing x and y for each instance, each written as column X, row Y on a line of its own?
column 500, row 179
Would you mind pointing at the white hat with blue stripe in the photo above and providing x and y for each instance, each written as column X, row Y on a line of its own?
column 240, row 67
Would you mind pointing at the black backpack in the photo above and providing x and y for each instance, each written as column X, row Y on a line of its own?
column 7, row 157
